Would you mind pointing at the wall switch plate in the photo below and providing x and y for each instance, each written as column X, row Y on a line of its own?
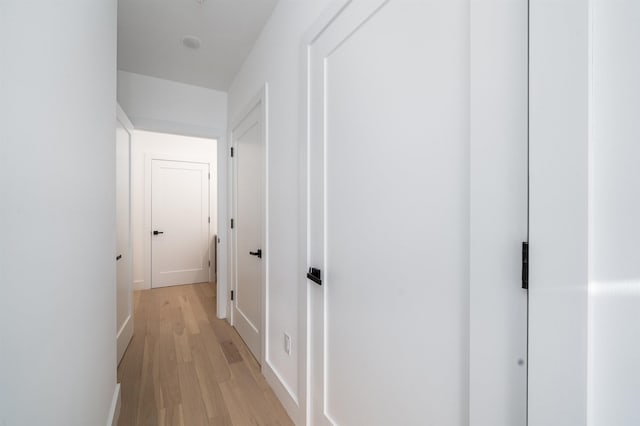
column 287, row 344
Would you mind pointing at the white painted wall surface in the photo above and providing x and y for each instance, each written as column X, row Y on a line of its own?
column 167, row 147
column 276, row 59
column 558, row 213
column 167, row 106
column 614, row 288
column 57, row 186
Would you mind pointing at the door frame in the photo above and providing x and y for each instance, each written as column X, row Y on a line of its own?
column 148, row 169
column 260, row 101
column 125, row 333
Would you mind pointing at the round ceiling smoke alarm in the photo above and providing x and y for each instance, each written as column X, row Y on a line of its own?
column 191, row 42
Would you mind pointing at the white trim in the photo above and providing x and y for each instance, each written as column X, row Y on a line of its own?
column 124, row 336
column 114, row 411
column 231, row 208
column 260, row 100
column 224, row 290
column 176, row 128
column 139, row 285
column 148, row 162
column 124, row 119
column 284, row 393
column 222, row 191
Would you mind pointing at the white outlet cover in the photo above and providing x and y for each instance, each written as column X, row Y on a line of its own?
column 287, row 344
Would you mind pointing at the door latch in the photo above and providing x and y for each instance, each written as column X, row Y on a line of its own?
column 256, row 253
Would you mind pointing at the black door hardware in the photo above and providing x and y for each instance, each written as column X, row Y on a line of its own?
column 118, row 257
column 315, row 275
column 157, row 232
column 525, row 265
column 256, row 253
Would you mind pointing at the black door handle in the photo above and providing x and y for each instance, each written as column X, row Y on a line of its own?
column 118, row 257
column 315, row 275
column 157, row 232
column 256, row 253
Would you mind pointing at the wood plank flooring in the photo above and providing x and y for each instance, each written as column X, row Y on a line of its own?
column 186, row 367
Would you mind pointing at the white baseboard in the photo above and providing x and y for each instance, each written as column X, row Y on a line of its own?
column 114, row 411
column 284, row 394
column 124, row 336
column 139, row 285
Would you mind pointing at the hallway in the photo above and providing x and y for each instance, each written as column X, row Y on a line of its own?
column 186, row 367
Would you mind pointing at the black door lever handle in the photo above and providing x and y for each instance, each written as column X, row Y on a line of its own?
column 315, row 275
column 157, row 232
column 256, row 253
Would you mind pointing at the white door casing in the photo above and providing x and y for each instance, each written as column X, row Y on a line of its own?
column 389, row 206
column 249, row 249
column 180, row 215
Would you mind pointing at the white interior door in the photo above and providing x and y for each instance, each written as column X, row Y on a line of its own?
column 248, row 161
column 389, row 212
column 124, row 290
column 180, row 223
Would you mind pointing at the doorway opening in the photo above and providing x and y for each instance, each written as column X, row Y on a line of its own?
column 174, row 209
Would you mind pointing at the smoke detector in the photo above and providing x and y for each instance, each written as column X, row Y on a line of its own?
column 191, row 42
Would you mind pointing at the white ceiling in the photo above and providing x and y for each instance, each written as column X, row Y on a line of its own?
column 150, row 38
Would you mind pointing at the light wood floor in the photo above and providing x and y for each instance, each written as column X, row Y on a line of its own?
column 186, row 367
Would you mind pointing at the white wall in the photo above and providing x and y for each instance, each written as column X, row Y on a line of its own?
column 614, row 288
column 170, row 107
column 57, row 174
column 168, row 147
column 276, row 59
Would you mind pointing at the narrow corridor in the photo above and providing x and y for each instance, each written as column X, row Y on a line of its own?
column 186, row 367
